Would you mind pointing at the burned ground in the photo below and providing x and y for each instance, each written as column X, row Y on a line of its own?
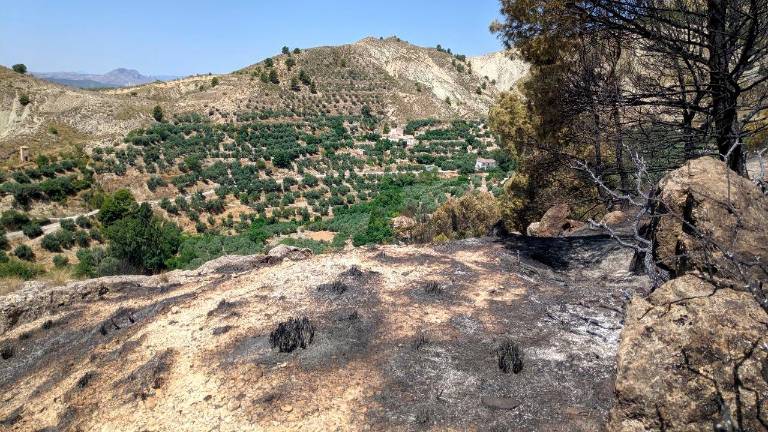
column 388, row 352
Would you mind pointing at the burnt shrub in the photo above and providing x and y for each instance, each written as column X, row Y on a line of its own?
column 6, row 352
column 336, row 287
column 292, row 334
column 510, row 357
column 433, row 288
column 419, row 341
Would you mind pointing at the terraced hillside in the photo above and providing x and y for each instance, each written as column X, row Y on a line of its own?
column 392, row 78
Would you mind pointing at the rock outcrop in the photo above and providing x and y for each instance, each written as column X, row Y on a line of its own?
column 694, row 354
column 706, row 213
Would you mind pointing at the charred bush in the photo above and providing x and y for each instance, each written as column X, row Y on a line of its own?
column 6, row 352
column 292, row 334
column 433, row 288
column 86, row 379
column 510, row 357
column 354, row 272
column 419, row 341
column 336, row 287
column 423, row 417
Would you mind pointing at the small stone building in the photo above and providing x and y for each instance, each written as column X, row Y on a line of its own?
column 483, row 164
column 24, row 154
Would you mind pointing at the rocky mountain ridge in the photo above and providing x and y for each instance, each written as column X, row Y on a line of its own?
column 120, row 77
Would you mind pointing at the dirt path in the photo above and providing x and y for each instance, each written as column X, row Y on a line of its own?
column 391, row 351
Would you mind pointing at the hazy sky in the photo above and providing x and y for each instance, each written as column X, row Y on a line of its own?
column 186, row 37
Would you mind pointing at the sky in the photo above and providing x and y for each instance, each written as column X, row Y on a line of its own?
column 187, row 37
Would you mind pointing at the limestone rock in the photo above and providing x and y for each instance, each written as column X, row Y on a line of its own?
column 289, row 252
column 616, row 217
column 704, row 198
column 687, row 325
column 554, row 223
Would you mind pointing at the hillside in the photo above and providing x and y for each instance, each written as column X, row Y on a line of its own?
column 396, row 80
column 404, row 338
column 500, row 68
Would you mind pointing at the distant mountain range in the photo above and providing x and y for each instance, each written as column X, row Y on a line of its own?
column 120, row 77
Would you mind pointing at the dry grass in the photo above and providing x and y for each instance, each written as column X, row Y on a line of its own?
column 58, row 276
column 9, row 285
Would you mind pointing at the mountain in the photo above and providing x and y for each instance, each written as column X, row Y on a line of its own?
column 395, row 80
column 120, row 77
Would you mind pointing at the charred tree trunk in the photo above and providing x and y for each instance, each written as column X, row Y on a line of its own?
column 725, row 92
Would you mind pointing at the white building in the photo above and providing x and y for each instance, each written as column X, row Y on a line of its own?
column 483, row 164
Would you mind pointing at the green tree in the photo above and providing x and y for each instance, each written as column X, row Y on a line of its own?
column 286, row 50
column 116, row 207
column 19, row 68
column 157, row 113
column 24, row 100
column 290, row 63
column 273, row 77
column 143, row 240
column 304, row 77
column 297, row 51
column 268, row 62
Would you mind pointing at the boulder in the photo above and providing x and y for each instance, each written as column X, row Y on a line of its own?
column 282, row 251
column 554, row 223
column 676, row 344
column 693, row 355
column 614, row 218
column 706, row 212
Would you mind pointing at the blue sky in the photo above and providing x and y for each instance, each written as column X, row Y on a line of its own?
column 185, row 37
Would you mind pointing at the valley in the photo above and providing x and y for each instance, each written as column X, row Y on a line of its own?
column 335, row 140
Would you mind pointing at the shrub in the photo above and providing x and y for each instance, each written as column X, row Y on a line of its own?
column 83, row 222
column 55, row 242
column 472, row 215
column 24, row 252
column 32, row 230
column 273, row 77
column 68, row 225
column 60, row 261
column 13, row 220
column 82, row 238
column 157, row 113
column 214, row 81
column 20, row 269
column 24, row 100
column 19, row 68
column 95, row 235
